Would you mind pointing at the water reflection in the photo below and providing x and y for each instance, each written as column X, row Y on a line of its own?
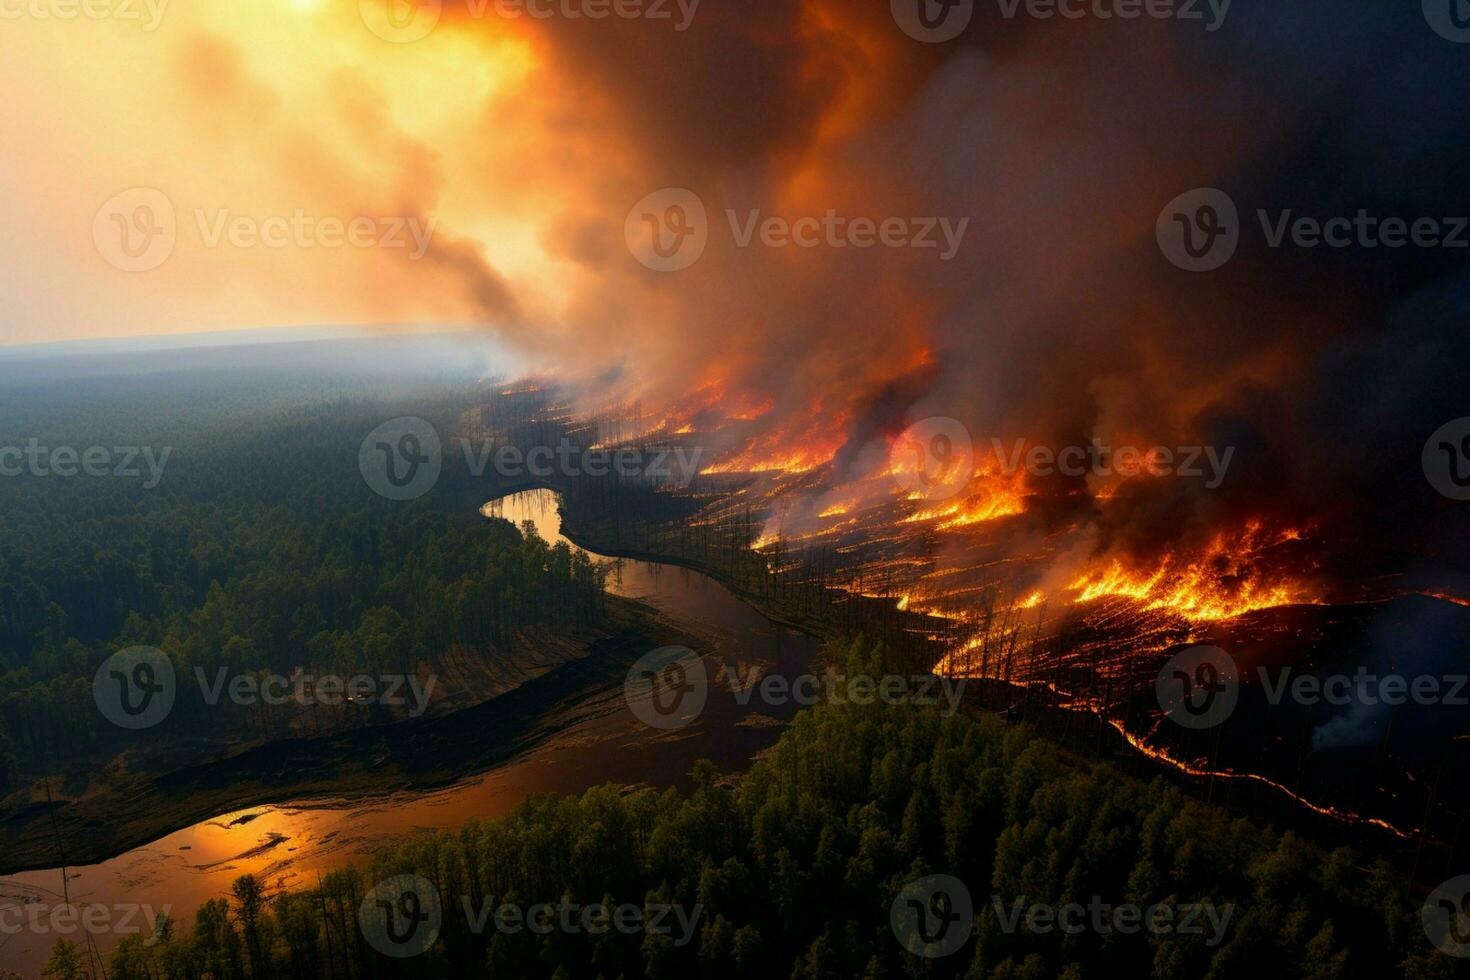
column 289, row 845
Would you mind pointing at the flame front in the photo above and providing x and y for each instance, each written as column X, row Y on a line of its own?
column 1228, row 579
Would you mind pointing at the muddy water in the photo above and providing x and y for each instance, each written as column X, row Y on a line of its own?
column 289, row 845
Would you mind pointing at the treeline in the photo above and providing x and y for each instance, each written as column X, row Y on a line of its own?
column 261, row 549
column 795, row 871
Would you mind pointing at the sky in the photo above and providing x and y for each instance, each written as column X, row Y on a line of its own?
column 219, row 165
column 252, row 111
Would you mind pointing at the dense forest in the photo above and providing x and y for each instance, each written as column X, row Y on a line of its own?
column 259, row 548
column 794, row 872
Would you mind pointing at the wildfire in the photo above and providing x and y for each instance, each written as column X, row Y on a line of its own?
column 956, row 665
column 989, row 496
column 793, row 448
column 801, row 461
column 1159, row 755
column 970, row 511
column 1227, row 580
column 1446, row 597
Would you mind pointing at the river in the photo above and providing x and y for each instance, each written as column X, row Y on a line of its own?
column 288, row 845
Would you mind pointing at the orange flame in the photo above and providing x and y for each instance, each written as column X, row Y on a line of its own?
column 990, row 494
column 1225, row 581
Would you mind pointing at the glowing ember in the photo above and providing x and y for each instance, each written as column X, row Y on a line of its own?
column 1159, row 755
column 1446, row 597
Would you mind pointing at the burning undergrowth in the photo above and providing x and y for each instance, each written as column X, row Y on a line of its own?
column 1292, row 388
column 1085, row 587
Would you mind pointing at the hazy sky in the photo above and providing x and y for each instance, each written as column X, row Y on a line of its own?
column 290, row 110
column 498, row 169
column 491, row 170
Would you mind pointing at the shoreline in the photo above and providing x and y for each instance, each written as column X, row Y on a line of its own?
column 467, row 744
